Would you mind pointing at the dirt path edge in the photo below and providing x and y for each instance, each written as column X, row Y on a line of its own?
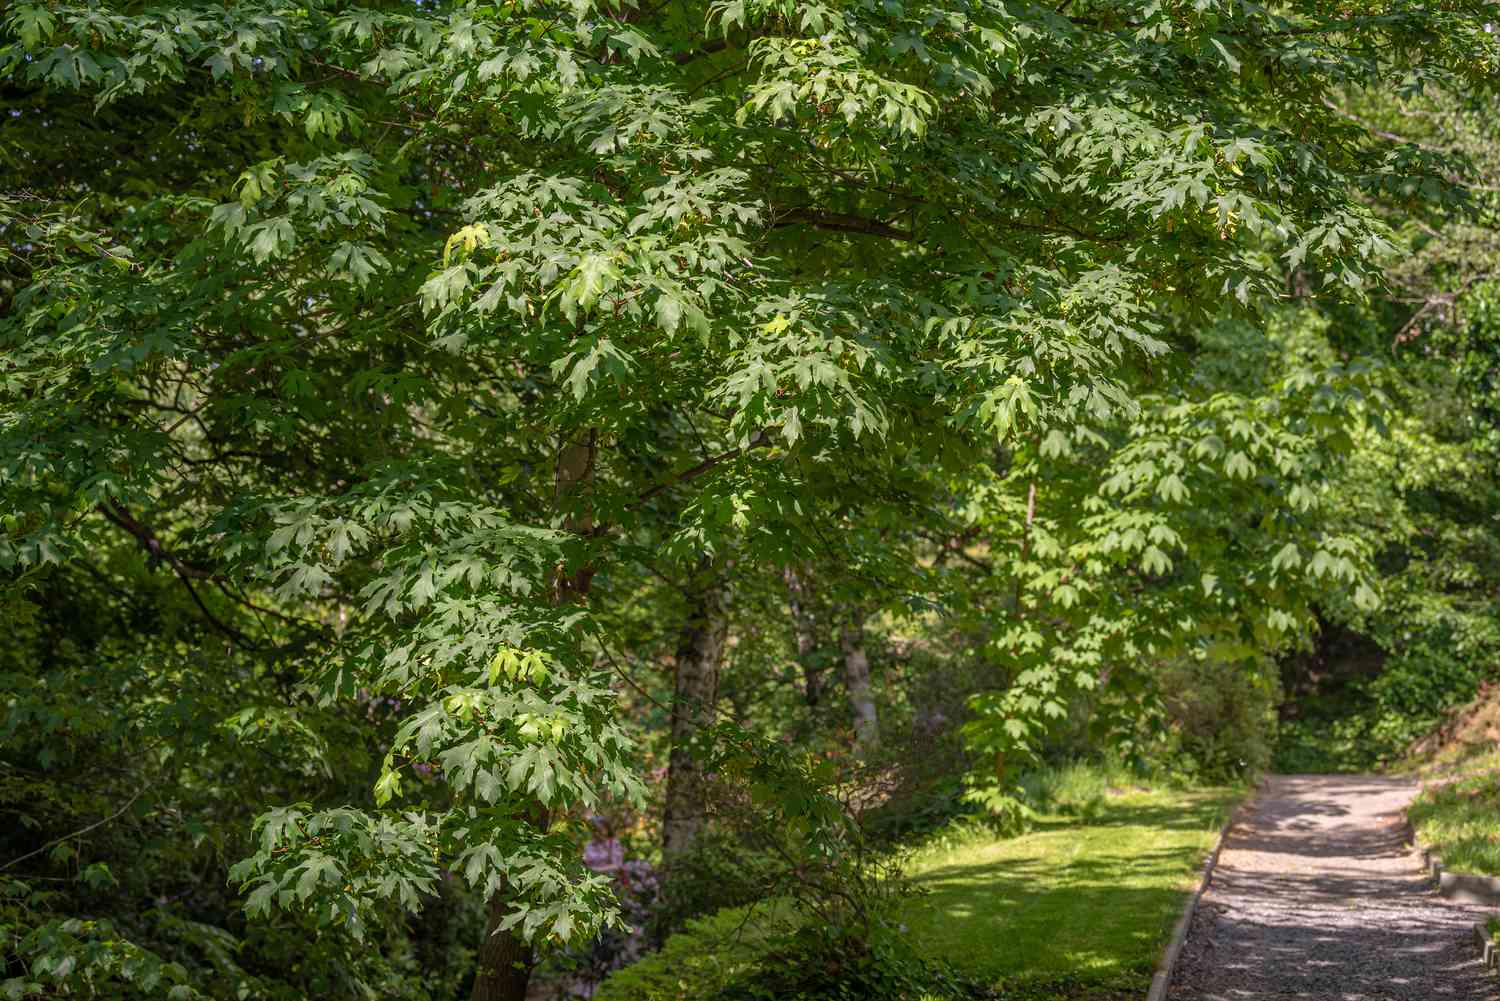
column 1162, row 979
column 1466, row 888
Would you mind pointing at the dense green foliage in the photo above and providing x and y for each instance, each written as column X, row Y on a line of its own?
column 1427, row 487
column 431, row 433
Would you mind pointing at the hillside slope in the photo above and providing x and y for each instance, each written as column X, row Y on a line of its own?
column 1457, row 813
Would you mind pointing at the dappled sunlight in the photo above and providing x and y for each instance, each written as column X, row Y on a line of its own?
column 633, row 500
column 1317, row 896
column 1093, row 897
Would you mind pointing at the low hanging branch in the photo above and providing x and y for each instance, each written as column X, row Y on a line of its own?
column 78, row 833
column 187, row 573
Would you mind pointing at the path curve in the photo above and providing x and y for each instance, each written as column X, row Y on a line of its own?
column 1317, row 896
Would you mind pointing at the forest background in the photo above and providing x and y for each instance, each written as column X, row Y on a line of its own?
column 485, row 484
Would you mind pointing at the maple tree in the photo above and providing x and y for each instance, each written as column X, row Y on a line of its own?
column 407, row 339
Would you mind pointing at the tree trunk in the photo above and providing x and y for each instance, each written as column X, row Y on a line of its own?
column 697, row 690
column 503, row 969
column 807, row 642
column 1026, row 542
column 857, row 682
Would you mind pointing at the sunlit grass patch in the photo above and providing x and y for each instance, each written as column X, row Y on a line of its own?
column 1074, row 909
column 1078, row 909
column 1457, row 814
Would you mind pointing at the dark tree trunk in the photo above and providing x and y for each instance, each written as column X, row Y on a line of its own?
column 503, row 969
column 699, row 651
column 806, row 632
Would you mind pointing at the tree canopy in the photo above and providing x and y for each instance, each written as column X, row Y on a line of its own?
column 378, row 377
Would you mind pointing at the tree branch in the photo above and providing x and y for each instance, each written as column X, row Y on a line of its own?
column 148, row 540
column 1392, row 136
column 187, row 573
column 761, row 440
column 840, row 222
column 708, row 49
column 78, row 833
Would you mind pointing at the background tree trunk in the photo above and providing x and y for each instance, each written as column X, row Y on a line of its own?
column 807, row 641
column 699, row 651
column 857, row 682
column 503, row 968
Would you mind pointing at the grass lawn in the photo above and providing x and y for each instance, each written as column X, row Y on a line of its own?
column 1078, row 909
column 1075, row 909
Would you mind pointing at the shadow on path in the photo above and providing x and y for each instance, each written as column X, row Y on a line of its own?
column 1317, row 896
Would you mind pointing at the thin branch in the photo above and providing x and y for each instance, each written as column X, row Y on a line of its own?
column 688, row 419
column 1392, row 136
column 1437, row 301
column 1454, row 179
column 708, row 49
column 761, row 440
column 148, row 540
column 631, row 681
column 1025, row 542
column 347, row 74
column 78, row 833
column 289, row 619
column 680, row 589
column 213, row 620
column 841, row 222
column 1057, row 229
column 739, row 67
column 187, row 573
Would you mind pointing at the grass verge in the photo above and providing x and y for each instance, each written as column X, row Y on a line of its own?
column 1078, row 909
column 1075, row 908
column 1457, row 814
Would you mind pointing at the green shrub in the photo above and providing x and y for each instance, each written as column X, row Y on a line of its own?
column 773, row 952
column 1359, row 737
column 1080, row 789
column 818, row 963
column 1077, row 789
column 704, row 957
column 1423, row 680
column 1460, row 818
column 1221, row 720
column 725, row 869
column 1374, row 721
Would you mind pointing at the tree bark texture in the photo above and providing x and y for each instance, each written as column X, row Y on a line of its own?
column 807, row 640
column 699, row 652
column 857, row 683
column 503, row 968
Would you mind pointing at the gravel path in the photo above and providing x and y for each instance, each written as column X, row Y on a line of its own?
column 1317, row 896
